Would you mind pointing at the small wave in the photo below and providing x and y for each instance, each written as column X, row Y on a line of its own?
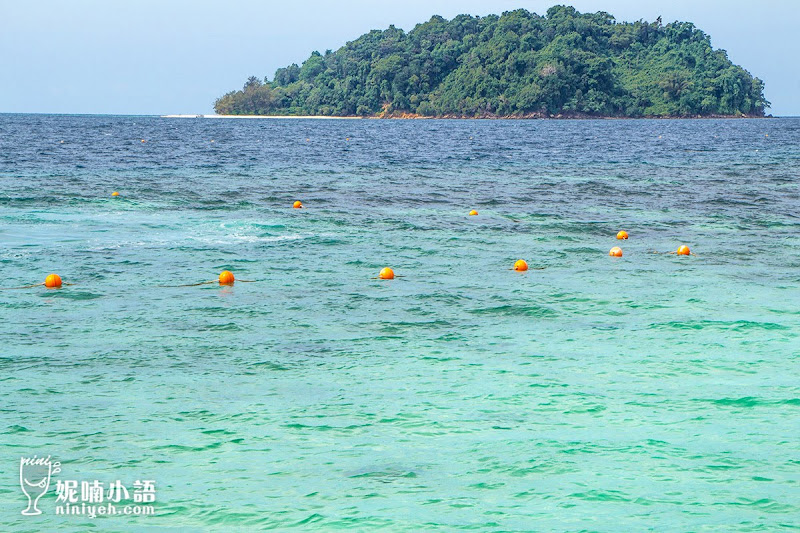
column 269, row 365
column 71, row 295
column 737, row 325
column 251, row 238
column 231, row 326
column 750, row 401
column 602, row 496
column 193, row 449
column 516, row 310
column 384, row 476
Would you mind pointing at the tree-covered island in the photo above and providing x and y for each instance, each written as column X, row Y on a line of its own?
column 519, row 64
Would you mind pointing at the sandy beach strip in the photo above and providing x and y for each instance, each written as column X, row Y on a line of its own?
column 280, row 117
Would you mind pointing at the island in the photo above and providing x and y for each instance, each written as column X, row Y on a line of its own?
column 565, row 64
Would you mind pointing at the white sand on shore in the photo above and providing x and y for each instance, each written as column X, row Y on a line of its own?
column 262, row 116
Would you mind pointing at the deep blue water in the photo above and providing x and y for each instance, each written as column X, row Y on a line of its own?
column 591, row 393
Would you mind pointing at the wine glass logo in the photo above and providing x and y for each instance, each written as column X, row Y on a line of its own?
column 34, row 478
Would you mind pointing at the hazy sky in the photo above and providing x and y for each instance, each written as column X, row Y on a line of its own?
column 177, row 56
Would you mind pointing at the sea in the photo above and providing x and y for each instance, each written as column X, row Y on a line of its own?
column 650, row 392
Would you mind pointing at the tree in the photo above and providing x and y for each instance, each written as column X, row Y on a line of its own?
column 513, row 64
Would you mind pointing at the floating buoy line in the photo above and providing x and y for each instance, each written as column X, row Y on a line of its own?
column 227, row 278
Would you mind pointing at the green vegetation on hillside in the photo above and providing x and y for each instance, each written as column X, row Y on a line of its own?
column 517, row 64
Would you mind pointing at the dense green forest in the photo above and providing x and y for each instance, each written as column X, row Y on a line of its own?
column 518, row 64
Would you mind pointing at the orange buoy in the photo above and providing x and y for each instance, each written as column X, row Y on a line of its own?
column 615, row 252
column 144, row 141
column 226, row 278
column 622, row 235
column 473, row 213
column 53, row 281
column 298, row 205
column 521, row 265
column 684, row 250
column 115, row 193
column 386, row 273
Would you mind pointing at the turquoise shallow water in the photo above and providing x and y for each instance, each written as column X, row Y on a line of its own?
column 651, row 392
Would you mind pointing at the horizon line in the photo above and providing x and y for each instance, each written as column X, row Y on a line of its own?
column 327, row 117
